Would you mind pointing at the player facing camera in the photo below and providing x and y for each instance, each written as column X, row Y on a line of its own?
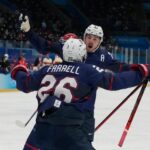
column 93, row 37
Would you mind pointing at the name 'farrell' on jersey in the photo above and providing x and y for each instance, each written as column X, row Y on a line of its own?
column 64, row 68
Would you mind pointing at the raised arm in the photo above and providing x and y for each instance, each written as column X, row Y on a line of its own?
column 43, row 46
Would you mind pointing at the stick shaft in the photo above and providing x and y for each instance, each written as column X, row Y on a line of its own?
column 30, row 117
column 118, row 106
column 129, row 122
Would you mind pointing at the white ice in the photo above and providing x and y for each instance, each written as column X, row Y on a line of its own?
column 19, row 106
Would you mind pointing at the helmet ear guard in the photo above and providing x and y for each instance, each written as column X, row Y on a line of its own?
column 74, row 50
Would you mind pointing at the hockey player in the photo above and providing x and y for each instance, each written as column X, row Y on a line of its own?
column 63, row 92
column 93, row 37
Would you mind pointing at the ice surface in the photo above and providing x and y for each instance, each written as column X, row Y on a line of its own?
column 20, row 106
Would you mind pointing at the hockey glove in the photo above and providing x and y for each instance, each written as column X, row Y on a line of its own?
column 134, row 67
column 143, row 68
column 18, row 68
column 25, row 25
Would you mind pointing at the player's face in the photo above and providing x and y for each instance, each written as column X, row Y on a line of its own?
column 92, row 42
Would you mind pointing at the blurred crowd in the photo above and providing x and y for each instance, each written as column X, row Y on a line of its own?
column 45, row 21
column 41, row 60
column 113, row 15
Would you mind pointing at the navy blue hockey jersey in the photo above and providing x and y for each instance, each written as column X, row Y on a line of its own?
column 74, row 83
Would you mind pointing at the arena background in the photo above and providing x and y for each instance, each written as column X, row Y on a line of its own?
column 126, row 26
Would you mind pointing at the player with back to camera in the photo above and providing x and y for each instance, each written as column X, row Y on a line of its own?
column 63, row 92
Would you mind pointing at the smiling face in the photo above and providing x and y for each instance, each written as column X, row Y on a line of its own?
column 92, row 42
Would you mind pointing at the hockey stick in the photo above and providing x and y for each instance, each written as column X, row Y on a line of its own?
column 21, row 124
column 128, row 124
column 118, row 106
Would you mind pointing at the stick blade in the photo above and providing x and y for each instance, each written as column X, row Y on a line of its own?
column 20, row 124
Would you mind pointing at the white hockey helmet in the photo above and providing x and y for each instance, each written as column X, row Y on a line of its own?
column 94, row 30
column 74, row 50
